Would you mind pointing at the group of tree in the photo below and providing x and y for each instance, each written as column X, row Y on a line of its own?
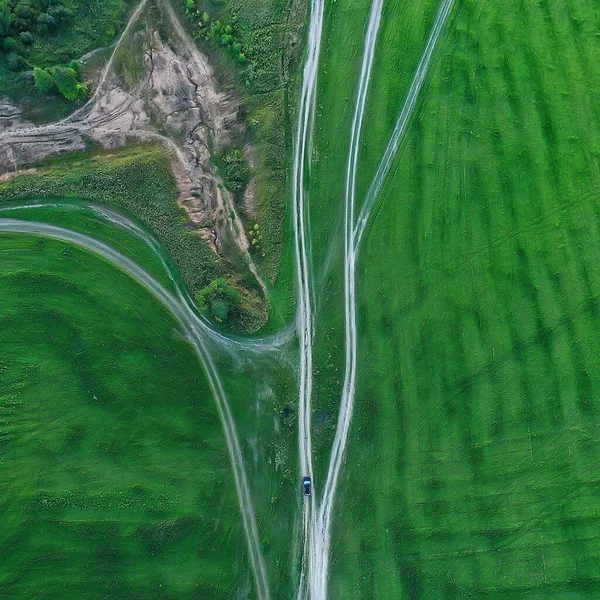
column 24, row 19
column 218, row 299
column 214, row 31
column 62, row 79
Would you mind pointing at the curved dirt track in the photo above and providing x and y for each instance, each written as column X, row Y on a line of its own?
column 194, row 332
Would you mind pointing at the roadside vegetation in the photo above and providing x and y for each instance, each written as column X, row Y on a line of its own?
column 116, row 481
column 138, row 182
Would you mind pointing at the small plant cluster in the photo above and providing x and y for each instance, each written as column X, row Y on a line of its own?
column 256, row 239
column 63, row 79
column 218, row 299
column 214, row 31
column 234, row 170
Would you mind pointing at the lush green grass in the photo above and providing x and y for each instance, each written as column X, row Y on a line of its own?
column 475, row 438
column 77, row 215
column 115, row 480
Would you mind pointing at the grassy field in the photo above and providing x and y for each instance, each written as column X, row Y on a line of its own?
column 115, row 480
column 475, row 440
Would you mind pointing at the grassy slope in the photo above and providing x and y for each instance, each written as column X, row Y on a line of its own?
column 139, row 183
column 269, row 33
column 476, row 425
column 114, row 475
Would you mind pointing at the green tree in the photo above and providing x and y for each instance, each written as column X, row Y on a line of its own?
column 43, row 80
column 15, row 62
column 65, row 79
column 76, row 66
column 26, row 38
column 6, row 18
column 218, row 299
column 10, row 45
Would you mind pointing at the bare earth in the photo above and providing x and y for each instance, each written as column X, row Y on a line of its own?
column 156, row 90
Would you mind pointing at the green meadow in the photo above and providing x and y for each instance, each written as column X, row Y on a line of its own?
column 473, row 467
column 116, row 479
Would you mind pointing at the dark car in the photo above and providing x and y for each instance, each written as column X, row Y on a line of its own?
column 306, row 485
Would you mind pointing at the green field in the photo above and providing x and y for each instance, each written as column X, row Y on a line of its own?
column 472, row 468
column 475, row 438
column 116, row 479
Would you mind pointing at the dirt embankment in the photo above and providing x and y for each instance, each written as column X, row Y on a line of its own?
column 156, row 87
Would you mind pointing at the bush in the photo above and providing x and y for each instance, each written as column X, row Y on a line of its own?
column 14, row 62
column 26, row 38
column 76, row 66
column 218, row 299
column 28, row 78
column 43, row 80
column 10, row 45
column 65, row 80
column 83, row 93
column 234, row 170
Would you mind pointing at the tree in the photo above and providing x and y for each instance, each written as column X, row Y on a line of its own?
column 15, row 62
column 65, row 79
column 218, row 299
column 43, row 80
column 26, row 38
column 76, row 66
column 10, row 45
column 6, row 18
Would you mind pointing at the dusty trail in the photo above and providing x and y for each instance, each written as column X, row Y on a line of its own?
column 405, row 113
column 322, row 534
column 194, row 331
column 304, row 319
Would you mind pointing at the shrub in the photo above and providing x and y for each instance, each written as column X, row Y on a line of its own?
column 10, row 45
column 218, row 299
column 26, row 38
column 65, row 79
column 76, row 66
column 28, row 78
column 43, row 80
column 234, row 170
column 83, row 93
column 15, row 62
